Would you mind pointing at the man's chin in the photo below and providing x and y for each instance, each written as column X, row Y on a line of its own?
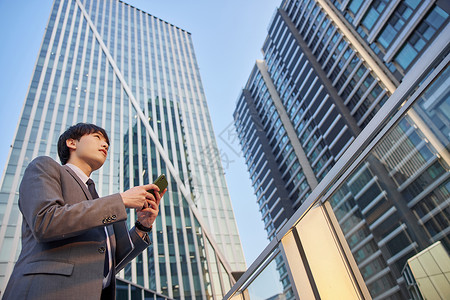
column 97, row 164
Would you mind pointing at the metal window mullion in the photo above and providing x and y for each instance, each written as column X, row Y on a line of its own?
column 60, row 87
column 177, row 112
column 209, row 263
column 372, row 107
column 15, row 247
column 274, row 34
column 91, row 55
column 333, row 49
column 282, row 41
column 382, row 19
column 50, row 87
column 297, row 47
column 336, row 62
column 407, row 30
column 325, row 18
column 97, row 84
column 186, row 245
column 88, row 85
column 361, row 12
column 327, row 42
column 306, row 13
column 310, row 27
column 291, row 45
column 156, row 96
column 169, row 39
column 363, row 97
column 121, row 116
column 349, row 78
column 174, row 150
column 158, row 158
column 144, row 55
column 73, row 68
column 78, row 81
column 188, row 60
column 113, row 134
column 338, row 136
column 316, row 30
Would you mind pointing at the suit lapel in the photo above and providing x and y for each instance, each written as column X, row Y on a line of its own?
column 78, row 180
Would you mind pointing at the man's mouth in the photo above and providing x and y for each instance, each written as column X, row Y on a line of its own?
column 104, row 152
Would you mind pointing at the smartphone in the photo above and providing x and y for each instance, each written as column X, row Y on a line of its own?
column 161, row 182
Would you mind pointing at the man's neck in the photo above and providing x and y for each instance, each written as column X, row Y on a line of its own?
column 85, row 167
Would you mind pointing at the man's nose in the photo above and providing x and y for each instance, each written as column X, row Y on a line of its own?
column 105, row 145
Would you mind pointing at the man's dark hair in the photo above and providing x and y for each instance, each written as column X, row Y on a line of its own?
column 76, row 132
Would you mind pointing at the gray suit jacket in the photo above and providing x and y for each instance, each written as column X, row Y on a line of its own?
column 63, row 237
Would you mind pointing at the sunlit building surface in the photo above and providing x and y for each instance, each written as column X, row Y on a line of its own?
column 329, row 67
column 426, row 273
column 108, row 63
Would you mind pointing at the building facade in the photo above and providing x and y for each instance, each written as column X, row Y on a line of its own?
column 323, row 242
column 328, row 68
column 109, row 63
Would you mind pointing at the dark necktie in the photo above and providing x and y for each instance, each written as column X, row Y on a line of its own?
column 91, row 187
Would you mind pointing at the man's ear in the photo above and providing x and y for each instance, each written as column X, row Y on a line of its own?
column 71, row 144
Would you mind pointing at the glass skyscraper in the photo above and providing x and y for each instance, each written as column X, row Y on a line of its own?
column 328, row 68
column 109, row 63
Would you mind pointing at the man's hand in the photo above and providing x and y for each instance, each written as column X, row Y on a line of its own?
column 138, row 197
column 147, row 215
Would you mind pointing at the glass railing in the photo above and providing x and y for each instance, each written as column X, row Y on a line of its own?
column 396, row 202
column 271, row 280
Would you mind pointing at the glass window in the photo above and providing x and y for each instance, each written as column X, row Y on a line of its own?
column 421, row 36
column 399, row 18
column 121, row 290
column 387, row 36
column 406, row 56
column 375, row 10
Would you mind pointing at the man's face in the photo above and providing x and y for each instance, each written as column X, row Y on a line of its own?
column 91, row 148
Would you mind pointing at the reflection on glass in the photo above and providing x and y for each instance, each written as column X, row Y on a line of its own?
column 217, row 288
column 396, row 203
column 225, row 278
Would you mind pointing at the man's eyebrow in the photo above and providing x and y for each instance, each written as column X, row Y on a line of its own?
column 102, row 135
column 99, row 133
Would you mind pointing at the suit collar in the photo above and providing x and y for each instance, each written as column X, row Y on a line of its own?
column 84, row 178
column 79, row 181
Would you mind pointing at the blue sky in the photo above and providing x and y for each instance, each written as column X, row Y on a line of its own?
column 227, row 36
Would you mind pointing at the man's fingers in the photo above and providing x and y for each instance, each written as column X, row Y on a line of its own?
column 146, row 204
column 150, row 186
column 151, row 210
column 158, row 200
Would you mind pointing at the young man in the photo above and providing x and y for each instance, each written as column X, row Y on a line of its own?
column 73, row 243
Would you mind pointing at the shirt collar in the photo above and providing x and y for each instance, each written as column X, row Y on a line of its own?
column 79, row 173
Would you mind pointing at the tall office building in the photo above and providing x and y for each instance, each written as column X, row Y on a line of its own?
column 111, row 64
column 328, row 68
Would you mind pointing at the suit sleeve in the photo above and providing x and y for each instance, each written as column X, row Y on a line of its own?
column 48, row 215
column 139, row 245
